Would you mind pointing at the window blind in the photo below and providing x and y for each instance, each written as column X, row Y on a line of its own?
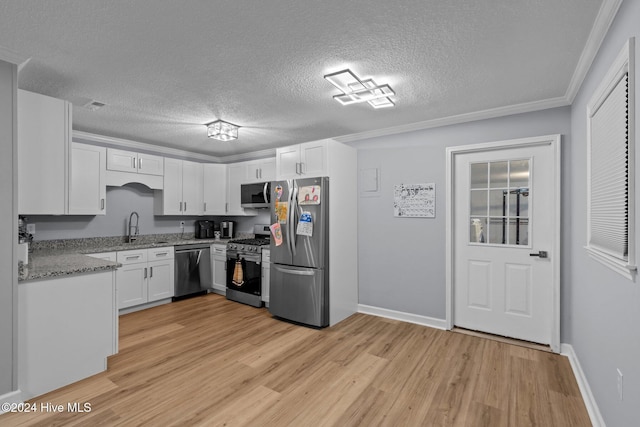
column 609, row 198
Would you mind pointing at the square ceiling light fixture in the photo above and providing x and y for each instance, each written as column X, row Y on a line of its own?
column 355, row 90
column 222, row 131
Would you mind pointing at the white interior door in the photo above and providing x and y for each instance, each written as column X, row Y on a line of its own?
column 505, row 240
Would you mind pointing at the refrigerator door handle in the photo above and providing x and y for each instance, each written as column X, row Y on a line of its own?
column 292, row 215
column 295, row 272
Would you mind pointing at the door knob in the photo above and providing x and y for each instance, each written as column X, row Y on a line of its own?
column 541, row 254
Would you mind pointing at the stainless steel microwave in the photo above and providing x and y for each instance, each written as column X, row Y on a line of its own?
column 255, row 196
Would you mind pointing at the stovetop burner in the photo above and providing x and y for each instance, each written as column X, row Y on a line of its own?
column 255, row 242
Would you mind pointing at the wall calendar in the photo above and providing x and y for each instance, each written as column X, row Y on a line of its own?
column 414, row 200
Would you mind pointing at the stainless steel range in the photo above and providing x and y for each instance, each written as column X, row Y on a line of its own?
column 244, row 267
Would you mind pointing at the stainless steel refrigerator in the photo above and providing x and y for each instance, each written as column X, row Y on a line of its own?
column 299, row 286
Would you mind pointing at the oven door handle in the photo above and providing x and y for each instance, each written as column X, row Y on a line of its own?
column 247, row 257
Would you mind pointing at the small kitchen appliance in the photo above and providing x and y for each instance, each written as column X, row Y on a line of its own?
column 244, row 267
column 227, row 229
column 204, row 229
column 255, row 195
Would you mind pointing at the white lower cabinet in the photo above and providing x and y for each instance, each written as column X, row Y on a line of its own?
column 219, row 263
column 67, row 327
column 266, row 275
column 146, row 275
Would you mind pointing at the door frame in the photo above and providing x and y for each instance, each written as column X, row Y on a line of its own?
column 452, row 152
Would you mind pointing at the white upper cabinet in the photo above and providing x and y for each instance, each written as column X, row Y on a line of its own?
column 236, row 176
column 214, row 189
column 261, row 170
column 44, row 138
column 192, row 181
column 128, row 161
column 182, row 193
column 87, row 187
column 302, row 160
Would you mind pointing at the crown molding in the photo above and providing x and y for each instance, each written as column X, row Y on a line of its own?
column 458, row 119
column 601, row 26
column 253, row 155
column 96, row 139
column 12, row 57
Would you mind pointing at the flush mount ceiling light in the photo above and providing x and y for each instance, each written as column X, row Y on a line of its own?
column 355, row 90
column 222, row 131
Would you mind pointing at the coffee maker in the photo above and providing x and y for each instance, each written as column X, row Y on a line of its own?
column 204, row 229
column 227, row 229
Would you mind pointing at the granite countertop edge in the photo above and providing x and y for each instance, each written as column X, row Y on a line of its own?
column 54, row 259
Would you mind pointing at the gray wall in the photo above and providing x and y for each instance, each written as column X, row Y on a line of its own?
column 402, row 260
column 8, row 227
column 121, row 201
column 603, row 322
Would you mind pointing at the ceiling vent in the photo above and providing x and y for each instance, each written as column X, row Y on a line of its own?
column 94, row 105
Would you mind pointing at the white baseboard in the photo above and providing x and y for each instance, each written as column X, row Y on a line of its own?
column 405, row 317
column 12, row 397
column 583, row 384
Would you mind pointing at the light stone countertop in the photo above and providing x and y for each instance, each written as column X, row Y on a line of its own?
column 55, row 258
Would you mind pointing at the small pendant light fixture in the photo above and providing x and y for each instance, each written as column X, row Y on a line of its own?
column 222, row 131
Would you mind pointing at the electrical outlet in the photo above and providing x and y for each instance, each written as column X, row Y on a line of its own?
column 620, row 383
column 181, row 224
column 31, row 229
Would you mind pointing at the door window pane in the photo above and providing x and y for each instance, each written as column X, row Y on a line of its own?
column 479, row 175
column 498, row 174
column 479, row 202
column 477, row 231
column 499, row 202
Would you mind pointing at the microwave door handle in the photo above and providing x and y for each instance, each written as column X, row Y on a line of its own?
column 264, row 192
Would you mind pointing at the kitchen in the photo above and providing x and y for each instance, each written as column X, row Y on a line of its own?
column 399, row 264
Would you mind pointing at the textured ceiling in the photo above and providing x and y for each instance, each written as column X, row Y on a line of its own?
column 166, row 68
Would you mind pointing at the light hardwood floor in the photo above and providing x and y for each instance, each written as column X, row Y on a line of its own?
column 207, row 361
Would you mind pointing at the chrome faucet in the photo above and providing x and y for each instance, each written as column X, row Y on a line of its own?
column 134, row 236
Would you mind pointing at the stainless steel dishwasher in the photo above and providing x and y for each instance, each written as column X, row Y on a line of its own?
column 193, row 272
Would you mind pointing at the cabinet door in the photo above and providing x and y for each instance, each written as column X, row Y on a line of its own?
column 87, row 188
column 121, row 160
column 192, row 188
column 253, row 171
column 313, row 156
column 287, row 160
column 172, row 192
column 131, row 284
column 44, row 138
column 161, row 280
column 220, row 272
column 149, row 164
column 214, row 189
column 235, row 177
column 267, row 170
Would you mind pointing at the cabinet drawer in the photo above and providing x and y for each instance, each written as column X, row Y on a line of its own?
column 132, row 257
column 155, row 254
column 219, row 250
column 266, row 255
